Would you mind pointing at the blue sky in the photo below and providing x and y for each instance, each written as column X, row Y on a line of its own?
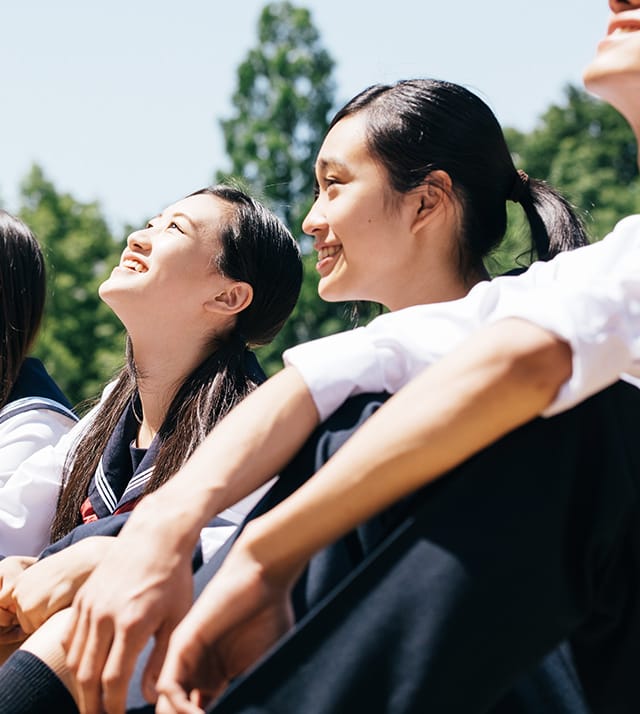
column 119, row 101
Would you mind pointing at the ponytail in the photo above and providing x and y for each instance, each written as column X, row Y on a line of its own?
column 554, row 225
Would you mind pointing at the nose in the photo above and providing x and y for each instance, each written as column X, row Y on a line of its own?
column 621, row 5
column 315, row 222
column 139, row 240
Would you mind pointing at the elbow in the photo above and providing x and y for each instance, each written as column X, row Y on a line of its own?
column 537, row 359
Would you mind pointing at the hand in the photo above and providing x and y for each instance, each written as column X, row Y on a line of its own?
column 236, row 620
column 50, row 584
column 141, row 588
column 11, row 569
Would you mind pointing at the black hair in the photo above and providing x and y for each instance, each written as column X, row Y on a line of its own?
column 22, row 297
column 256, row 248
column 419, row 126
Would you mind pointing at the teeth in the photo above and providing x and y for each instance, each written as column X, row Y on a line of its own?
column 133, row 265
column 327, row 252
column 624, row 30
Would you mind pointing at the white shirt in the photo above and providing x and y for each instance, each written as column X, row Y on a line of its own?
column 26, row 431
column 589, row 297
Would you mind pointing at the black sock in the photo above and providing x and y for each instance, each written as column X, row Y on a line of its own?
column 28, row 686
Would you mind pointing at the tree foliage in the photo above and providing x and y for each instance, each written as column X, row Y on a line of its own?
column 281, row 106
column 284, row 93
column 81, row 340
column 586, row 150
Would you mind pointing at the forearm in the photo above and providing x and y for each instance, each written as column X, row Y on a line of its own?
column 501, row 378
column 247, row 448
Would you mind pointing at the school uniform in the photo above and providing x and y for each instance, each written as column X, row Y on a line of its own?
column 119, row 482
column 123, row 474
column 36, row 414
column 28, row 501
column 589, row 297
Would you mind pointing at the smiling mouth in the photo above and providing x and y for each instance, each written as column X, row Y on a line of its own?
column 328, row 252
column 624, row 30
column 133, row 265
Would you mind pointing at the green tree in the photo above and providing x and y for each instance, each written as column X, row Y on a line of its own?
column 81, row 340
column 586, row 150
column 284, row 93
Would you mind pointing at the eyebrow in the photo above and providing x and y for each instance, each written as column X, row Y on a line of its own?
column 179, row 214
column 324, row 164
column 186, row 218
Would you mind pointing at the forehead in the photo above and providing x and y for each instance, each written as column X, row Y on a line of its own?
column 204, row 211
column 345, row 144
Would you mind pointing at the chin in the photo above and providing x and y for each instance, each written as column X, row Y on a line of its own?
column 615, row 71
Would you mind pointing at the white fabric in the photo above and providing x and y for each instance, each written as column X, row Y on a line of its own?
column 29, row 495
column 22, row 434
column 589, row 297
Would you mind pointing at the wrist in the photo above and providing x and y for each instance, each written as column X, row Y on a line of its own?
column 161, row 520
column 276, row 555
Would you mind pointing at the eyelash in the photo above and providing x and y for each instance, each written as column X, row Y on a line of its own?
column 173, row 224
column 327, row 183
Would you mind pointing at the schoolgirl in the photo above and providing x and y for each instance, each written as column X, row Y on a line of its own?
column 34, row 413
column 222, row 273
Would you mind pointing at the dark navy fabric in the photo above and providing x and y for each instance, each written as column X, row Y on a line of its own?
column 533, row 541
column 34, row 381
column 116, row 483
column 453, row 600
column 35, row 389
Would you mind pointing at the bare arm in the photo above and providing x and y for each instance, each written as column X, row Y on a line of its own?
column 501, row 378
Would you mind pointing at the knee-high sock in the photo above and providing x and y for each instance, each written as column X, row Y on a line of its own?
column 28, row 686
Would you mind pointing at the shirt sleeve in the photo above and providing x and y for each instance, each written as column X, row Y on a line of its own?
column 593, row 303
column 24, row 434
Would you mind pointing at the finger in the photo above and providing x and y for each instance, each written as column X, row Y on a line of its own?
column 177, row 703
column 75, row 633
column 127, row 645
column 154, row 665
column 91, row 656
column 25, row 621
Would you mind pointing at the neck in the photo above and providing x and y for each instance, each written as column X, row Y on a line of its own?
column 422, row 287
column 161, row 367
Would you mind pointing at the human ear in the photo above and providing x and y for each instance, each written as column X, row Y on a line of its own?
column 435, row 192
column 233, row 299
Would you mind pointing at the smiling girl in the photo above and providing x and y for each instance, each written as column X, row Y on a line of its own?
column 210, row 276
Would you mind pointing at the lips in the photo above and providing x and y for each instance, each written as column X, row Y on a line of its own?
column 327, row 258
column 623, row 26
column 130, row 261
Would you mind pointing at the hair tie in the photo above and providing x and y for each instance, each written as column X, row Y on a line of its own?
column 520, row 185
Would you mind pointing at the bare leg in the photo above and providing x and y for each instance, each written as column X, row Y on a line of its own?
column 45, row 644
